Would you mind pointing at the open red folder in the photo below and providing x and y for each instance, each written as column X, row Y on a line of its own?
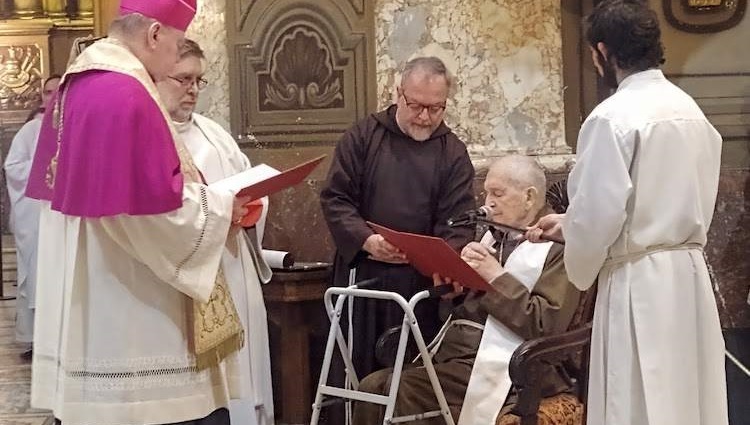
column 430, row 255
column 281, row 181
column 263, row 180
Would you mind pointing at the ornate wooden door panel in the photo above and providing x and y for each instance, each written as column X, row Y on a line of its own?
column 301, row 71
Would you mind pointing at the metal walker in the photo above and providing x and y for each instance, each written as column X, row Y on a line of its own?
column 327, row 395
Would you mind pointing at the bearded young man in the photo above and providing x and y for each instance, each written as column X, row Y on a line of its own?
column 642, row 196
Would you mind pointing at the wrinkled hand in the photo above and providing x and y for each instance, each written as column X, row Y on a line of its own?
column 438, row 280
column 381, row 250
column 239, row 209
column 482, row 259
column 549, row 226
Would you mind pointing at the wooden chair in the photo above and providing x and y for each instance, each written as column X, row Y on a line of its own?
column 570, row 349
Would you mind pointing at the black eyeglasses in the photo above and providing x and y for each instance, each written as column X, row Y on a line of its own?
column 416, row 108
column 186, row 82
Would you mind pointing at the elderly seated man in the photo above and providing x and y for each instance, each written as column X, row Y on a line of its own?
column 533, row 298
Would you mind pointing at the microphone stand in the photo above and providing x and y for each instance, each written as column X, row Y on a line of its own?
column 472, row 221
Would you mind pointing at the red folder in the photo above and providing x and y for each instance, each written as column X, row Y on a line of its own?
column 429, row 255
column 281, row 181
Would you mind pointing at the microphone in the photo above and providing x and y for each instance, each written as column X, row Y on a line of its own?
column 470, row 216
column 483, row 214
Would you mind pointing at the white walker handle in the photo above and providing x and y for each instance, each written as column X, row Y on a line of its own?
column 336, row 338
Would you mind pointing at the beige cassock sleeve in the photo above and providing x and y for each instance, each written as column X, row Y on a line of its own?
column 182, row 247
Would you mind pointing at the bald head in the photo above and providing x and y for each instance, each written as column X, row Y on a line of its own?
column 515, row 187
column 522, row 171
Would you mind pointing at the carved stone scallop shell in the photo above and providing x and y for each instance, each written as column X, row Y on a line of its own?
column 302, row 74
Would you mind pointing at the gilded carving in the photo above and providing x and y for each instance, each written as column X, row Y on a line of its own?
column 302, row 75
column 704, row 16
column 55, row 8
column 704, row 3
column 86, row 8
column 27, row 8
column 20, row 77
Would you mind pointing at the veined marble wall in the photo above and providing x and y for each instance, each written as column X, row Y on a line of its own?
column 209, row 30
column 507, row 59
column 506, row 55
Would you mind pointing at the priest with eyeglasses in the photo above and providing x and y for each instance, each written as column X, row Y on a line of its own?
column 403, row 168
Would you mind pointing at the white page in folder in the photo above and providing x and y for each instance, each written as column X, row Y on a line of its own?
column 246, row 178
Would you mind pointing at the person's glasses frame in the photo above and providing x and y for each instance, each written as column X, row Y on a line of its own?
column 187, row 82
column 416, row 108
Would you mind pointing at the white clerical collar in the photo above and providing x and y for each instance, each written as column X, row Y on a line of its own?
column 183, row 127
column 649, row 74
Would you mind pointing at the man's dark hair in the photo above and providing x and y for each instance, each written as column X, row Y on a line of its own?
column 40, row 109
column 50, row 78
column 630, row 30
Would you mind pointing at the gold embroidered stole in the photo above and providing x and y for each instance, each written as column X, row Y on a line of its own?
column 216, row 327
